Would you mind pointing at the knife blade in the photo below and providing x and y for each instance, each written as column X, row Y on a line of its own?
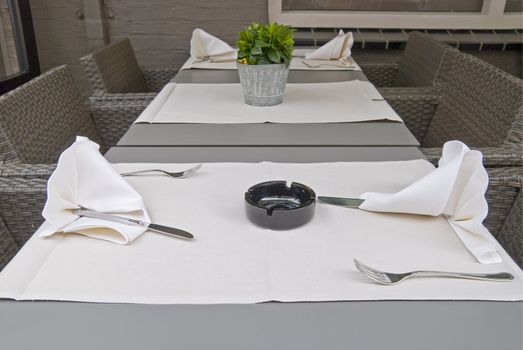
column 342, row 202
column 166, row 230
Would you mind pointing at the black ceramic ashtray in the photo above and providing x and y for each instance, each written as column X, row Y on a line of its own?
column 275, row 205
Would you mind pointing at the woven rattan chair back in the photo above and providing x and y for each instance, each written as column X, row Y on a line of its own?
column 113, row 69
column 425, row 61
column 39, row 119
column 511, row 235
column 478, row 106
column 8, row 246
column 515, row 134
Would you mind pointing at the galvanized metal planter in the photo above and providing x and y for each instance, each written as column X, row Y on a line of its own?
column 263, row 85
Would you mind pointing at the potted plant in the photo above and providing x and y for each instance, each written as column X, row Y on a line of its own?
column 264, row 56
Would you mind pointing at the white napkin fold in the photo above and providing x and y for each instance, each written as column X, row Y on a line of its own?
column 83, row 178
column 337, row 48
column 455, row 189
column 207, row 46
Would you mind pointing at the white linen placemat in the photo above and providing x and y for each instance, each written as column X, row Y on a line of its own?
column 296, row 63
column 349, row 101
column 233, row 261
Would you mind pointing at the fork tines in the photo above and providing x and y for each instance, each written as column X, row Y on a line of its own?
column 371, row 273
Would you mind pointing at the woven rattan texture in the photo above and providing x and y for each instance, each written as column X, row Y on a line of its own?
column 478, row 105
column 156, row 78
column 515, row 134
column 113, row 69
column 113, row 117
column 416, row 106
column 504, row 186
column 511, row 235
column 8, row 246
column 42, row 117
column 21, row 203
column 380, row 74
column 425, row 61
column 7, row 151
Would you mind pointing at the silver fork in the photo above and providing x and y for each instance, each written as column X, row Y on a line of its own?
column 393, row 278
column 176, row 175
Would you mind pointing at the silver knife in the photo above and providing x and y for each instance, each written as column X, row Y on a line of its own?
column 342, row 202
column 166, row 230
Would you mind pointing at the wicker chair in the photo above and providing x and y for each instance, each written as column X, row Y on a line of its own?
column 425, row 62
column 511, row 236
column 479, row 105
column 42, row 117
column 22, row 200
column 113, row 73
column 8, row 246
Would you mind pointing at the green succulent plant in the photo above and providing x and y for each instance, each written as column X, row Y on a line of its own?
column 266, row 44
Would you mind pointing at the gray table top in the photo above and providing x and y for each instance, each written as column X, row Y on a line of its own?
column 259, row 154
column 405, row 325
column 334, row 134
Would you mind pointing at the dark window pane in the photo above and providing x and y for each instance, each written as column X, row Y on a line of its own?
column 9, row 61
column 385, row 5
column 514, row 6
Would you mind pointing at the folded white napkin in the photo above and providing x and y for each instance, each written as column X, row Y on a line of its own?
column 455, row 189
column 337, row 48
column 83, row 178
column 207, row 46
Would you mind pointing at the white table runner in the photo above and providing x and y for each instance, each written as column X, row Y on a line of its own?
column 350, row 101
column 233, row 261
column 296, row 63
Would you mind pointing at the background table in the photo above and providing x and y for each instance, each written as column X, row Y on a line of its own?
column 375, row 133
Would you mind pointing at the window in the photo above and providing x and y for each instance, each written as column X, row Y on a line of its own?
column 397, row 14
column 514, row 6
column 385, row 5
column 18, row 55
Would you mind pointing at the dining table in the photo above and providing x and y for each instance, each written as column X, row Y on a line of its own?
column 353, row 324
column 377, row 140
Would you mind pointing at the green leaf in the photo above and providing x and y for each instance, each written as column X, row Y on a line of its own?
column 263, row 60
column 266, row 43
column 256, row 51
column 261, row 43
column 273, row 55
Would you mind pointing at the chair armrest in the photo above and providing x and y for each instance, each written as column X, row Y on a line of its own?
column 156, row 78
column 114, row 117
column 124, row 98
column 416, row 106
column 511, row 235
column 380, row 74
column 8, row 245
column 493, row 157
column 502, row 193
column 27, row 171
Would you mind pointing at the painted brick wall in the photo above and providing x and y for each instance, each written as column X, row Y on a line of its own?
column 60, row 36
column 160, row 30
